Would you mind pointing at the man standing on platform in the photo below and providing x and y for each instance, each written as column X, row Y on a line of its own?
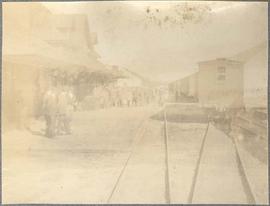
column 66, row 103
column 50, row 102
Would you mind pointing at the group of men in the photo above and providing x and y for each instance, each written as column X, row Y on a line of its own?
column 58, row 106
column 123, row 96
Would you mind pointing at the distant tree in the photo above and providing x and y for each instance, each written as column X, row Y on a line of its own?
column 85, row 81
column 103, row 77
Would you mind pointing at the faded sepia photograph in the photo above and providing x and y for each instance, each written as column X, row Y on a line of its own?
column 135, row 102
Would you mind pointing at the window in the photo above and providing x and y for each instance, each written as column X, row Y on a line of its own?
column 221, row 77
column 221, row 73
column 221, row 69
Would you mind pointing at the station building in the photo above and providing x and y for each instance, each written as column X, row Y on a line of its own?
column 34, row 42
column 220, row 83
column 237, row 81
column 217, row 83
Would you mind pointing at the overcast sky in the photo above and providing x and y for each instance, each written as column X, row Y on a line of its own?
column 165, row 40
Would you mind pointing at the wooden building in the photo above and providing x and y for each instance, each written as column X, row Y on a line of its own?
column 36, row 41
column 218, row 83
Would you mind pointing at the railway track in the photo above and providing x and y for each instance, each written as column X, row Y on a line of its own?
column 137, row 142
column 167, row 177
column 244, row 180
column 137, row 138
column 167, row 166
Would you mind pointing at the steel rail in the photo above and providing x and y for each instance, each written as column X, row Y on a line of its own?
column 167, row 167
column 195, row 176
column 138, row 137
